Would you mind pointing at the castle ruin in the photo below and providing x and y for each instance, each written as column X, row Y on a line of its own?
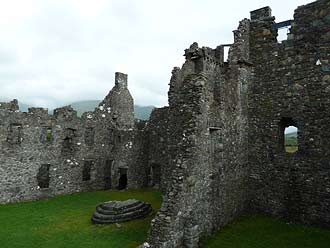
column 216, row 152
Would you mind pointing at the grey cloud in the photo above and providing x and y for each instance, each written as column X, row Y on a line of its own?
column 7, row 57
column 57, row 52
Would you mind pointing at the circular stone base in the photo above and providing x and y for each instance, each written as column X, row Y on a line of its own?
column 120, row 211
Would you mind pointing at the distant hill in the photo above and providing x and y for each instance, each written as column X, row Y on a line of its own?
column 23, row 107
column 293, row 134
column 141, row 112
column 84, row 106
column 291, row 139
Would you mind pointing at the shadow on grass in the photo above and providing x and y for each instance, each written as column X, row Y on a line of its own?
column 265, row 232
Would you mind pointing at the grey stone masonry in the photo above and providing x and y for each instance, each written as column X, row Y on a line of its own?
column 216, row 152
column 226, row 154
column 120, row 211
column 44, row 155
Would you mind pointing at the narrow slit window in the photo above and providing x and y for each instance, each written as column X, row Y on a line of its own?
column 49, row 134
column 15, row 135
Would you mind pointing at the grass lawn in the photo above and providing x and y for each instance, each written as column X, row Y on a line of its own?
column 65, row 221
column 264, row 232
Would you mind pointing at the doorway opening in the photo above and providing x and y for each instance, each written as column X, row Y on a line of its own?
column 122, row 183
column 43, row 177
column 107, row 174
column 155, row 175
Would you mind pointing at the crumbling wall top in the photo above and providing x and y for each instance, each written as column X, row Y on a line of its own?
column 65, row 112
column 262, row 13
column 12, row 105
column 38, row 111
column 121, row 80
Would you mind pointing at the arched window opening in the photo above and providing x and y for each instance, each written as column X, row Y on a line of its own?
column 291, row 139
column 288, row 135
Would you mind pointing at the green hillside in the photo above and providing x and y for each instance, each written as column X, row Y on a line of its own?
column 293, row 134
column 23, row 107
column 141, row 112
column 291, row 142
column 84, row 106
column 291, row 139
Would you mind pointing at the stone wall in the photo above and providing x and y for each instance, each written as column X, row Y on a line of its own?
column 157, row 134
column 216, row 152
column 206, row 145
column 291, row 87
column 227, row 121
column 44, row 155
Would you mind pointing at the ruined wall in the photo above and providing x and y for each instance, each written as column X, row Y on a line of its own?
column 216, row 152
column 139, row 172
column 157, row 140
column 32, row 140
column 207, row 185
column 121, row 103
column 227, row 121
column 43, row 155
column 291, row 86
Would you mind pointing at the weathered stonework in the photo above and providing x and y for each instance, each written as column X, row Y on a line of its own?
column 120, row 211
column 289, row 87
column 216, row 152
column 227, row 120
column 73, row 154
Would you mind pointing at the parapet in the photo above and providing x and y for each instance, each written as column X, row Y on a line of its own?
column 205, row 59
column 38, row 111
column 13, row 105
column 121, row 80
column 260, row 14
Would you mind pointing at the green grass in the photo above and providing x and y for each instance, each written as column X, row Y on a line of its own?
column 65, row 221
column 291, row 139
column 264, row 232
column 291, row 142
column 291, row 149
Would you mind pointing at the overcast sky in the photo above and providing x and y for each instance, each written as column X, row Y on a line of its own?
column 53, row 52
